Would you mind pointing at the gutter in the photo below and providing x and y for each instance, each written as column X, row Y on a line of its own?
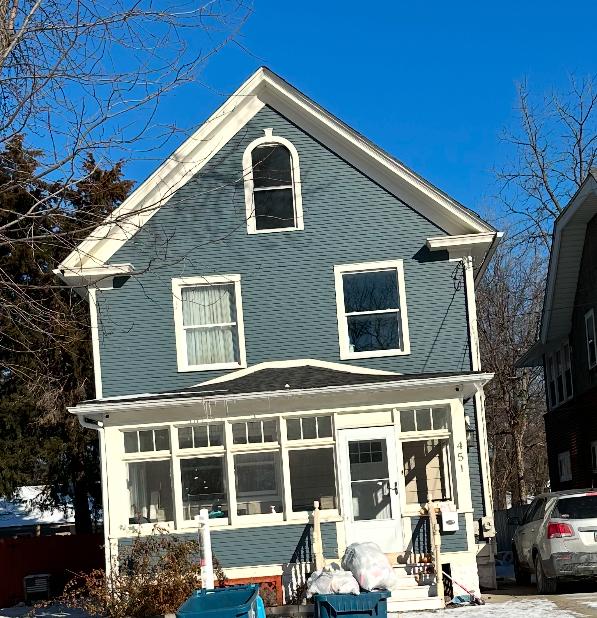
column 490, row 253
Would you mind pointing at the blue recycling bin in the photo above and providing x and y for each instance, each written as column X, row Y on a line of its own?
column 351, row 605
column 230, row 602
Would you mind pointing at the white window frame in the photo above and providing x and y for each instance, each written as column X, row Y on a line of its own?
column 590, row 314
column 181, row 340
column 342, row 269
column 564, row 467
column 555, row 371
column 267, row 140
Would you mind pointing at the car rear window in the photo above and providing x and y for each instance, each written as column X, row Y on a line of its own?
column 579, row 507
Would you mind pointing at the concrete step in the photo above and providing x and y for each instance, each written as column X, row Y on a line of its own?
column 396, row 606
column 410, row 594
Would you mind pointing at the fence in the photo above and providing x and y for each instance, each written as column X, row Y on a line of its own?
column 505, row 531
column 59, row 555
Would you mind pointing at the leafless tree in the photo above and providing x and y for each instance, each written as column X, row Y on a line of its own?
column 510, row 299
column 80, row 76
column 553, row 149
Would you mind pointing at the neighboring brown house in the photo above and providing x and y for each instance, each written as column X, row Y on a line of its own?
column 567, row 346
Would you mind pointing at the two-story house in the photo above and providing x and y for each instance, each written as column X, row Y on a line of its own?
column 282, row 313
column 567, row 347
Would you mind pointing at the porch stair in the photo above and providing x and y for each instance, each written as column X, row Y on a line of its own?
column 414, row 591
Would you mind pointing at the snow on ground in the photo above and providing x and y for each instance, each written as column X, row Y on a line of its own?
column 23, row 510
column 531, row 608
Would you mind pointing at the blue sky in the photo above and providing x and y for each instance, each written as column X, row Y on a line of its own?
column 433, row 83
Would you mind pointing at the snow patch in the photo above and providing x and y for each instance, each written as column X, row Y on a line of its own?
column 537, row 608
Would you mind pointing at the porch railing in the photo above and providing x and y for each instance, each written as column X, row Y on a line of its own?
column 436, row 543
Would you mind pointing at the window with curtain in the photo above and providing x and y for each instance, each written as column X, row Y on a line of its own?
column 210, row 324
column 273, row 187
column 150, row 492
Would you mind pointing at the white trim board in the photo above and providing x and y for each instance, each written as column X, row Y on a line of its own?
column 266, row 88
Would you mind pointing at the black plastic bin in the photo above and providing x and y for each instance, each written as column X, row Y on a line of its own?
column 351, row 605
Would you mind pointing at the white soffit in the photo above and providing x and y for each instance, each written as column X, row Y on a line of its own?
column 565, row 260
column 266, row 88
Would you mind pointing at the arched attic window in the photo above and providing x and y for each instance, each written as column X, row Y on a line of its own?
column 272, row 185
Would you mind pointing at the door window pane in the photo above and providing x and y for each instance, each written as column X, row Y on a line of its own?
column 150, row 492
column 203, row 487
column 369, row 480
column 425, row 470
column 257, row 483
column 312, row 477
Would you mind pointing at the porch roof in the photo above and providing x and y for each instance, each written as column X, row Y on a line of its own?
column 286, row 380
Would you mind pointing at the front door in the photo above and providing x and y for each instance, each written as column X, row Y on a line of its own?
column 369, row 487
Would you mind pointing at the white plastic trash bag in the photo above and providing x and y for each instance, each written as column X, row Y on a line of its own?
column 370, row 566
column 332, row 580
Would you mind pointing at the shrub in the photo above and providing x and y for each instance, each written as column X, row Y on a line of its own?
column 155, row 575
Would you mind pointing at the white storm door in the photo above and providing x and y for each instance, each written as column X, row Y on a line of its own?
column 369, row 487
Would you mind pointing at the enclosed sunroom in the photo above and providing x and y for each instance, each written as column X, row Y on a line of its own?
column 259, row 447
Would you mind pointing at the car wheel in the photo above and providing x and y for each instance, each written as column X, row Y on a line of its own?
column 545, row 585
column 523, row 578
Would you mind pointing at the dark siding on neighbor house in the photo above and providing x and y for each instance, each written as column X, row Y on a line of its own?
column 573, row 425
column 244, row 547
column 586, row 299
column 287, row 278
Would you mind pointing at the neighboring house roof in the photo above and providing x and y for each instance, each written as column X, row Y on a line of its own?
column 564, row 268
column 22, row 510
column 267, row 378
column 265, row 88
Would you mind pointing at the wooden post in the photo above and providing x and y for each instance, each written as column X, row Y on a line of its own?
column 436, row 542
column 317, row 542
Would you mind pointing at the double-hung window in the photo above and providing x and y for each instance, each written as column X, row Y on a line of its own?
column 564, row 467
column 209, row 323
column 558, row 372
column 590, row 334
column 371, row 302
column 272, row 185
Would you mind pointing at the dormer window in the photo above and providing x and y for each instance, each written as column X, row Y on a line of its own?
column 272, row 185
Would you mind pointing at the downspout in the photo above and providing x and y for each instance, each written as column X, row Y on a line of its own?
column 95, row 425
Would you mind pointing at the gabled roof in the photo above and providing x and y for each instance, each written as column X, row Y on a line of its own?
column 564, row 268
column 290, row 378
column 266, row 88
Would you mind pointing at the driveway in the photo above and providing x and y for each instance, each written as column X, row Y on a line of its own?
column 523, row 602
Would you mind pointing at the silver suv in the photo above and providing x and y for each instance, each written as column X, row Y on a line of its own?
column 557, row 539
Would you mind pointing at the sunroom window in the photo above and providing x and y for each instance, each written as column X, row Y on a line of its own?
column 201, row 436
column 208, row 321
column 150, row 492
column 204, row 487
column 146, row 440
column 309, row 427
column 371, row 310
column 258, row 483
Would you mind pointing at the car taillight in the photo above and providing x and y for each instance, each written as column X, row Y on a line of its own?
column 558, row 530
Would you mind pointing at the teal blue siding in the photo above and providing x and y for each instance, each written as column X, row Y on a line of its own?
column 451, row 541
column 474, row 462
column 287, row 278
column 243, row 547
